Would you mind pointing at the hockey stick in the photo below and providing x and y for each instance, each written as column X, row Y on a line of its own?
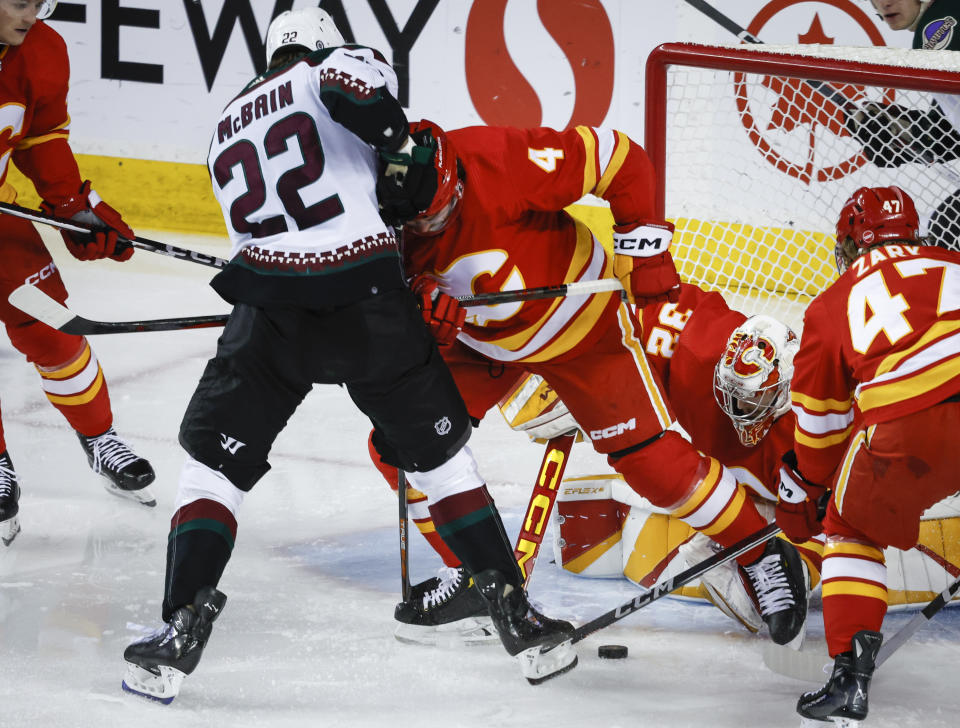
column 821, row 87
column 919, row 620
column 143, row 243
column 536, row 664
column 42, row 307
column 577, row 288
column 404, row 523
column 542, row 498
column 812, row 665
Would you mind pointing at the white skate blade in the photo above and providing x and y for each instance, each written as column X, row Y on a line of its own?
column 162, row 688
column 811, row 663
column 539, row 666
column 9, row 530
column 143, row 496
column 469, row 632
column 835, row 722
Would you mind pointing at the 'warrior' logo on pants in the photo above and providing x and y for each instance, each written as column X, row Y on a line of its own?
column 230, row 444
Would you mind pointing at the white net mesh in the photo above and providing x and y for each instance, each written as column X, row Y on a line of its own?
column 757, row 166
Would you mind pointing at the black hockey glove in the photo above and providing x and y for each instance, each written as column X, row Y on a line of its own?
column 893, row 135
column 407, row 181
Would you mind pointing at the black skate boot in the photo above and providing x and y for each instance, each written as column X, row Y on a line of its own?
column 544, row 642
column 9, row 500
column 156, row 665
column 127, row 474
column 778, row 583
column 844, row 698
column 445, row 610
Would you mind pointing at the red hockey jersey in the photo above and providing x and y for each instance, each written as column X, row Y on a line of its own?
column 512, row 233
column 684, row 341
column 883, row 340
column 35, row 124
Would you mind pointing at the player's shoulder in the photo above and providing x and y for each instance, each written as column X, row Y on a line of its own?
column 44, row 55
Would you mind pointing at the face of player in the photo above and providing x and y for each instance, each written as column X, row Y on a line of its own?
column 898, row 14
column 16, row 19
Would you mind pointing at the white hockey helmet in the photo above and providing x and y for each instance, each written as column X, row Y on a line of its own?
column 751, row 381
column 311, row 28
column 46, row 10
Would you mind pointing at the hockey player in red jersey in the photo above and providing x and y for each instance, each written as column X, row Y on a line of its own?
column 33, row 100
column 497, row 223
column 876, row 392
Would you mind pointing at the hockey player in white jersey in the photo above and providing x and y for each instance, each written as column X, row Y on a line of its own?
column 318, row 297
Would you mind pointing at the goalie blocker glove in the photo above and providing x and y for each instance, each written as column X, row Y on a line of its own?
column 642, row 262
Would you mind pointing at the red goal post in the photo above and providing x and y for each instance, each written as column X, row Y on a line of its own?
column 756, row 155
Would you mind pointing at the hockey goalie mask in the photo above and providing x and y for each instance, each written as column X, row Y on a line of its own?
column 310, row 28
column 871, row 216
column 751, row 382
column 446, row 201
column 46, row 10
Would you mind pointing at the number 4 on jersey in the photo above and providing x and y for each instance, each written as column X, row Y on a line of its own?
column 546, row 158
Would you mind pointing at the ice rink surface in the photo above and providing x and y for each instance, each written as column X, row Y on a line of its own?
column 306, row 638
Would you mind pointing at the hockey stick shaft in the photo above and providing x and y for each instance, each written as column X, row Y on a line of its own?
column 821, row 87
column 404, row 523
column 577, row 288
column 38, row 304
column 907, row 631
column 542, row 499
column 54, row 314
column 143, row 243
column 667, row 586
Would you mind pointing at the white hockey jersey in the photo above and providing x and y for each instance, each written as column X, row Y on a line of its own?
column 297, row 188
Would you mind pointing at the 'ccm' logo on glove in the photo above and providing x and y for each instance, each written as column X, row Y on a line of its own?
column 643, row 241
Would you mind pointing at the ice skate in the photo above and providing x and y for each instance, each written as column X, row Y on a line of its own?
column 778, row 582
column 543, row 644
column 157, row 664
column 127, row 474
column 843, row 700
column 9, row 501
column 723, row 584
column 446, row 610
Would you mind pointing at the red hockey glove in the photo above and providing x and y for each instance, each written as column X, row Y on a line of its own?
column 443, row 313
column 801, row 505
column 642, row 262
column 87, row 208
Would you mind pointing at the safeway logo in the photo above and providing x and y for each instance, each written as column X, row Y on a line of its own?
column 614, row 430
column 502, row 95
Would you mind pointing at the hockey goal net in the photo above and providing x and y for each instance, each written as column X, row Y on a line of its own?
column 757, row 149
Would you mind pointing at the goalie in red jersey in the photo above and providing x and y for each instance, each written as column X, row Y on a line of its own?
column 876, row 392
column 497, row 223
column 33, row 102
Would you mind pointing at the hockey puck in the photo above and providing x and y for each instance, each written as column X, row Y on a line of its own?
column 612, row 652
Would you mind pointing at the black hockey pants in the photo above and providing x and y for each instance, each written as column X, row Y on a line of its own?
column 268, row 359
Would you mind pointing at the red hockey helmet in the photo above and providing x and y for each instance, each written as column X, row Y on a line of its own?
column 871, row 216
column 446, row 201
